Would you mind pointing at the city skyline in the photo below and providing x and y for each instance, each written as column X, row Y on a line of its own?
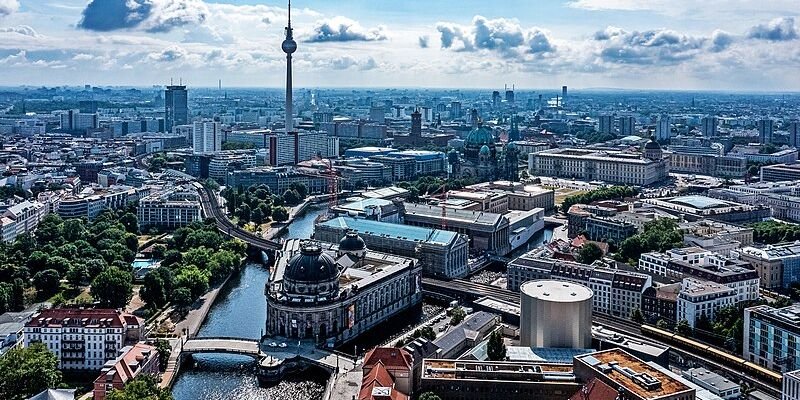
column 626, row 44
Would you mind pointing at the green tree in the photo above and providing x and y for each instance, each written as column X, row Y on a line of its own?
column 256, row 216
column 74, row 229
column 589, row 253
column 158, row 251
column 49, row 229
column 291, row 197
column 636, row 316
column 429, row 396
column 27, row 371
column 130, row 222
column 153, row 291
column 194, row 279
column 164, row 350
column 457, row 315
column 496, row 348
column 113, row 288
column 37, row 261
column 182, row 299
column 682, row 328
column 47, row 282
column 280, row 214
column 143, row 387
column 77, row 275
column 662, row 324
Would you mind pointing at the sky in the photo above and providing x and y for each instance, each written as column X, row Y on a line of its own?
column 739, row 45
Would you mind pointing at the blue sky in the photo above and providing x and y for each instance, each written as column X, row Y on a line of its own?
column 658, row 44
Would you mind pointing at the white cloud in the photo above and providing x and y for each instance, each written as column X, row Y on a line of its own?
column 779, row 29
column 8, row 7
column 21, row 29
column 342, row 29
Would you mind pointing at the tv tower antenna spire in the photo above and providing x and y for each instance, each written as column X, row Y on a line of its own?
column 289, row 46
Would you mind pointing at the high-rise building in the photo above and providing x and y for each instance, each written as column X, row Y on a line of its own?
column 563, row 96
column 627, row 126
column 455, row 110
column 606, row 123
column 510, row 95
column 496, row 99
column 771, row 336
column 74, row 120
column 176, row 106
column 376, row 114
column 207, row 137
column 709, row 126
column 663, row 128
column 765, row 128
column 794, row 134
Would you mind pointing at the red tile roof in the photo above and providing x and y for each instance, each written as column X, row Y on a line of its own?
column 391, row 357
column 595, row 389
column 82, row 317
column 379, row 377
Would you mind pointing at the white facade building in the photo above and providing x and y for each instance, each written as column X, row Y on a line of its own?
column 698, row 297
column 169, row 209
column 21, row 218
column 207, row 137
column 791, row 386
column 597, row 165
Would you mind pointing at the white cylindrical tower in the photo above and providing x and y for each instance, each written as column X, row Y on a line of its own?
column 555, row 314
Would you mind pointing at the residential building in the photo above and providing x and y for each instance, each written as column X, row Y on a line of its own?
column 772, row 337
column 90, row 202
column 133, row 361
column 22, row 218
column 224, row 162
column 709, row 126
column 663, row 128
column 661, row 302
column 694, row 262
column 207, row 137
column 765, row 130
column 627, row 126
column 702, row 299
column 172, row 208
column 778, row 265
column 616, row 292
column 83, row 338
column 791, row 385
column 597, row 165
column 606, row 124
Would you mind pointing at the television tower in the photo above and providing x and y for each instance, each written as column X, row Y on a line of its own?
column 289, row 46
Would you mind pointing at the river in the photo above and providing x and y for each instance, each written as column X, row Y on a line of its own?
column 240, row 312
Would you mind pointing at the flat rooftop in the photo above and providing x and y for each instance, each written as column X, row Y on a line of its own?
column 497, row 371
column 630, row 372
column 396, row 231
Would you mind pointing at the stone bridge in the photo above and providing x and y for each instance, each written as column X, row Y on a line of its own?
column 229, row 345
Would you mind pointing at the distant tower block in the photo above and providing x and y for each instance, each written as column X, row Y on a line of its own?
column 555, row 314
column 563, row 96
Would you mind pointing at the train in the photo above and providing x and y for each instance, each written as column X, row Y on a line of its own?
column 710, row 352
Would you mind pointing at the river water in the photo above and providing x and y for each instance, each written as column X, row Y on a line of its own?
column 240, row 312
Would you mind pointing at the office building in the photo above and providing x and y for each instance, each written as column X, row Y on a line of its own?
column 563, row 96
column 663, row 128
column 492, row 380
column 772, row 337
column 440, row 253
column 597, row 165
column 83, row 338
column 226, row 161
column 74, row 120
column 207, row 137
column 778, row 265
column 794, row 134
column 376, row 114
column 715, row 236
column 176, row 106
column 278, row 179
column 606, row 124
column 139, row 359
column 333, row 293
column 703, row 299
column 781, row 172
column 709, row 126
column 455, row 110
column 765, row 130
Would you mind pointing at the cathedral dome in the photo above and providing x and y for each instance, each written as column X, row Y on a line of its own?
column 311, row 265
column 352, row 242
column 478, row 137
column 652, row 145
